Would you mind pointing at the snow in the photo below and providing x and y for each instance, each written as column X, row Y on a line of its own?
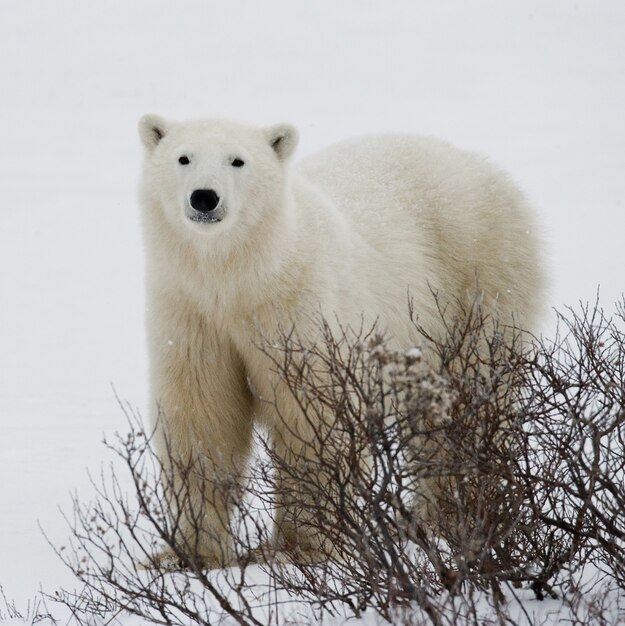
column 414, row 353
column 538, row 87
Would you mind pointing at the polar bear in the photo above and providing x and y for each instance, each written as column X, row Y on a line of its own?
column 236, row 239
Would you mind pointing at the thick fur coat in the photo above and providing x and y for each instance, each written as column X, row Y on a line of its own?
column 239, row 241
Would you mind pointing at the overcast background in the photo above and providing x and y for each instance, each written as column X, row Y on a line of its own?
column 537, row 86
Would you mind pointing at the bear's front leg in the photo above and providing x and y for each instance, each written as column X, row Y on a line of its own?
column 204, row 424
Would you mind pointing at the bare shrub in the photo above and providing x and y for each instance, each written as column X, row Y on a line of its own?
column 36, row 610
column 117, row 542
column 414, row 477
column 513, row 454
column 574, row 457
column 437, row 481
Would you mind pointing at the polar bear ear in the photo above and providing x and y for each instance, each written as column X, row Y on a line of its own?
column 152, row 128
column 283, row 138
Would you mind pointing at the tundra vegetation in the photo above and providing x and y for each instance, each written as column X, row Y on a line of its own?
column 448, row 494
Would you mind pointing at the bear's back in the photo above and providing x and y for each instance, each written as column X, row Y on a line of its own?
column 458, row 212
column 373, row 177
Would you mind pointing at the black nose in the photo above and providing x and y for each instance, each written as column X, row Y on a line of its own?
column 204, row 200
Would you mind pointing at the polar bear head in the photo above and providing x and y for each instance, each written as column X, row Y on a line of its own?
column 209, row 176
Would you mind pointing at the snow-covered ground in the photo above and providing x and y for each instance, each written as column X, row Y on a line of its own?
column 538, row 86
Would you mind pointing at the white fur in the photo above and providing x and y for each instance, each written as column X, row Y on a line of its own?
column 351, row 232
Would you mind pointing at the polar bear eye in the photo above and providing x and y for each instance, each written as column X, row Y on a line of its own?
column 238, row 163
column 183, row 160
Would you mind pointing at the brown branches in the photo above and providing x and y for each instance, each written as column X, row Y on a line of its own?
column 438, row 480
